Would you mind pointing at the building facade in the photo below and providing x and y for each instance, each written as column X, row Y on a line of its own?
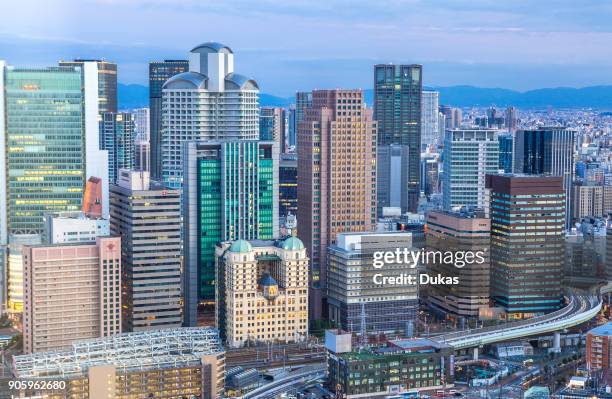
column 159, row 73
column 168, row 364
column 262, row 291
column 548, row 150
column 527, row 242
column 398, row 111
column 147, row 217
column 287, row 185
column 336, row 193
column 272, row 126
column 230, row 193
column 469, row 155
column 357, row 304
column 599, row 348
column 117, row 132
column 506, row 152
column 71, row 227
column 210, row 102
column 71, row 292
column 107, row 82
column 429, row 119
column 401, row 367
column 467, row 232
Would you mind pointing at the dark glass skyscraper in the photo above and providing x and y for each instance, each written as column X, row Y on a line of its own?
column 107, row 82
column 397, row 108
column 547, row 151
column 159, row 73
column 505, row 152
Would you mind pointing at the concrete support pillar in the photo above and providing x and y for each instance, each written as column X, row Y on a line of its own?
column 557, row 342
column 476, row 353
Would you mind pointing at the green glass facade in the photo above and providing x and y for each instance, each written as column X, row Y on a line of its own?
column 236, row 187
column 45, row 145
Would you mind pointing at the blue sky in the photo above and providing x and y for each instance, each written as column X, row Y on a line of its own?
column 297, row 44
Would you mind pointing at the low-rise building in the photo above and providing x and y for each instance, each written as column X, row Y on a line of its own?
column 165, row 364
column 400, row 366
column 262, row 291
column 599, row 348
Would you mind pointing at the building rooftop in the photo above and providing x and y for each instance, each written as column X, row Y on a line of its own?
column 149, row 350
column 603, row 330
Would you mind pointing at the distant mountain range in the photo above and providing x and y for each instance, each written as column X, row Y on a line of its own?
column 600, row 97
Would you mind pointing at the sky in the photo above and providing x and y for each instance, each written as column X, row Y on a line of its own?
column 295, row 45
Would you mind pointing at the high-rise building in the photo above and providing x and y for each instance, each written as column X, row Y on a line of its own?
column 147, row 216
column 357, row 302
column 107, row 82
column 336, row 193
column 168, row 364
column 47, row 153
column 397, row 110
column 142, row 153
column 262, row 278
column 506, row 152
column 71, row 227
column 547, row 150
column 429, row 118
column 287, row 185
column 210, row 102
column 511, row 119
column 291, row 127
column 303, row 100
column 117, row 132
column 14, row 265
column 430, row 173
column 460, row 232
column 452, row 117
column 392, row 171
column 230, row 192
column 159, row 73
column 527, row 242
column 590, row 200
column 469, row 155
column 142, row 124
column 71, row 292
column 272, row 126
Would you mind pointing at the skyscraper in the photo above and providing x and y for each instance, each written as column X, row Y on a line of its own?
column 469, row 155
column 452, row 117
column 511, row 119
column 506, row 152
column 107, row 82
column 303, row 100
column 547, row 150
column 262, row 277
column 48, row 151
column 287, row 185
column 336, row 175
column 397, row 110
column 147, row 216
column 272, row 126
column 230, row 192
column 72, row 292
column 142, row 124
column 527, row 242
column 117, row 131
column 429, row 119
column 159, row 73
column 210, row 102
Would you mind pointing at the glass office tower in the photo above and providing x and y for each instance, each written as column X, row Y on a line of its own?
column 230, row 192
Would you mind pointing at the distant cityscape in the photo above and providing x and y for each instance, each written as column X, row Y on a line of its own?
column 200, row 239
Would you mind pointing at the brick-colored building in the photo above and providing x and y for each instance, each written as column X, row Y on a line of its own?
column 337, row 175
column 598, row 348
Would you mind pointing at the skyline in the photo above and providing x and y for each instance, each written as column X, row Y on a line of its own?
column 516, row 46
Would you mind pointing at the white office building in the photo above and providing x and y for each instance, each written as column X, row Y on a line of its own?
column 469, row 155
column 210, row 102
column 71, row 227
